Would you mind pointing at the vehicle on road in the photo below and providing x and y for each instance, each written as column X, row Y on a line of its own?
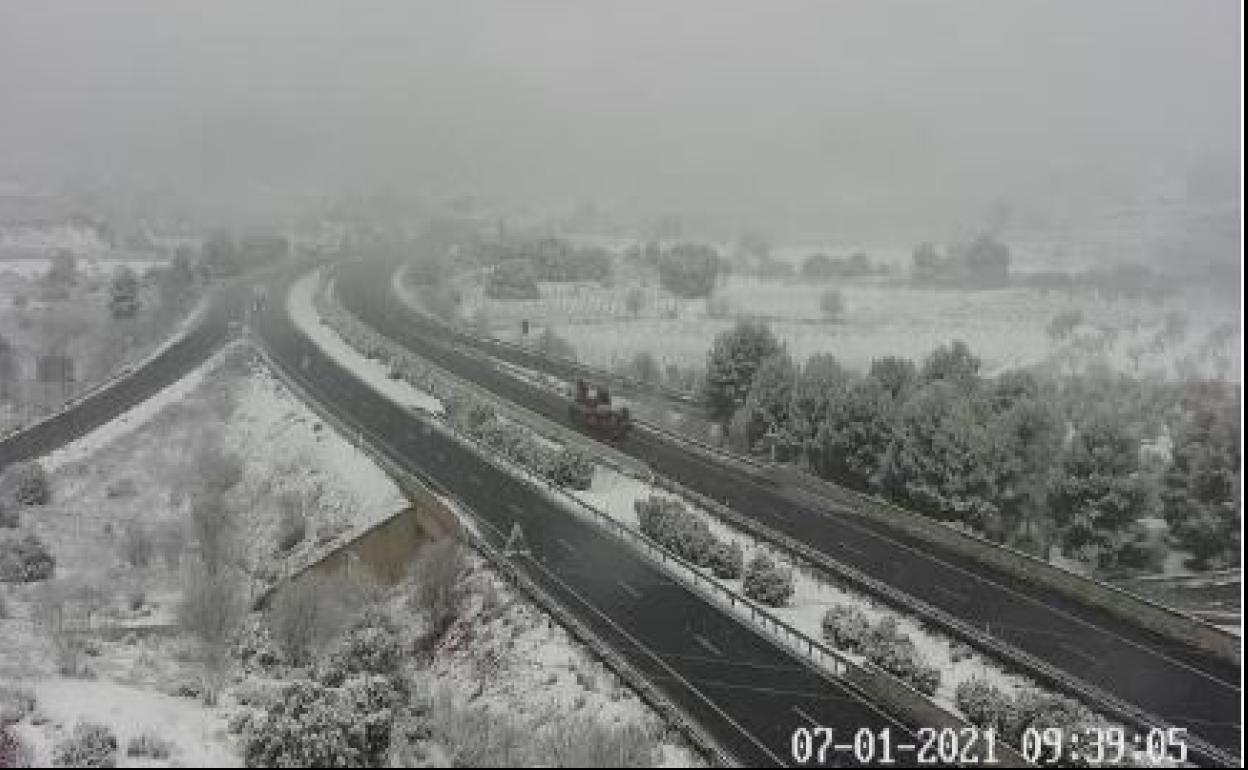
column 592, row 410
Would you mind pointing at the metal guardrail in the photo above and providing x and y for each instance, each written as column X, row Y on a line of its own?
column 653, row 697
column 122, row 372
column 582, row 369
column 1051, row 675
column 819, row 656
column 1229, row 648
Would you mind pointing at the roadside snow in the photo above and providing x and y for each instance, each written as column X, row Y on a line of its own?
column 196, row 732
column 375, row 374
column 133, row 419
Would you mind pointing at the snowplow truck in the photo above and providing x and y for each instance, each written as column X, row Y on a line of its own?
column 592, row 411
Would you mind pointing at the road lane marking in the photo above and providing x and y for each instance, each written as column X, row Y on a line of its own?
column 706, row 645
column 565, row 544
column 1079, row 653
column 515, row 508
column 475, row 479
column 809, row 719
column 629, row 589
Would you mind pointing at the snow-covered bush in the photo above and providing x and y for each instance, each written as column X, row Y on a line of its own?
column 148, row 744
column 846, row 627
column 370, row 646
column 16, row 703
column 255, row 647
column 572, row 468
column 893, row 651
column 982, row 703
column 90, row 745
column 1032, row 708
column 727, row 560
column 25, row 560
column 435, row 582
column 669, row 523
column 313, row 725
column 767, row 582
column 26, row 483
column 13, row 752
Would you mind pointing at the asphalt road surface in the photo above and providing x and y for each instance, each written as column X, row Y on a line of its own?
column 1181, row 686
column 745, row 691
column 97, row 408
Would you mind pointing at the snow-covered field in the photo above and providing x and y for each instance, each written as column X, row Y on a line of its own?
column 1006, row 327
column 91, row 267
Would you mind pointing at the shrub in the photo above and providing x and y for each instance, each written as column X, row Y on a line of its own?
column 16, row 703
column 1032, row 708
column 767, row 582
column 572, row 468
column 10, row 516
column 136, row 545
column 297, row 620
column 846, row 627
column 370, row 646
column 982, row 703
column 148, row 744
column 888, row 648
column 13, row 752
column 671, row 525
column 26, row 483
column 727, row 560
column 25, row 560
column 312, row 725
column 90, row 745
column 435, row 582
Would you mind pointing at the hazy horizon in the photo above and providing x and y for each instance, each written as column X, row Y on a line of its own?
column 794, row 116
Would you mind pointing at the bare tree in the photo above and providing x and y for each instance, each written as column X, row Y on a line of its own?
column 212, row 609
column 435, row 581
column 306, row 614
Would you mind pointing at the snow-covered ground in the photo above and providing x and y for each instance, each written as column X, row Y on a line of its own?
column 127, row 472
column 1006, row 327
column 376, row 374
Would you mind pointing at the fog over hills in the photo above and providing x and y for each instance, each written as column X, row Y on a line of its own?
column 893, row 119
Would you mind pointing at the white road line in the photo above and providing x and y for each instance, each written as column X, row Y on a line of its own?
column 706, row 645
column 629, row 589
column 515, row 508
column 565, row 544
column 662, row 663
column 809, row 719
column 1079, row 653
column 475, row 479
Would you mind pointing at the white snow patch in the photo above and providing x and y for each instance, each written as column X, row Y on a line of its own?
column 196, row 732
column 132, row 419
column 302, row 309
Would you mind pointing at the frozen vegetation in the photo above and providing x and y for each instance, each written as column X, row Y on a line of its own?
column 116, row 658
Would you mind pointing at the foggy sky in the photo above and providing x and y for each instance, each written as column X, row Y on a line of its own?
column 786, row 112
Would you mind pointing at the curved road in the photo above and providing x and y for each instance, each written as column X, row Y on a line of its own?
column 167, row 367
column 748, row 693
column 1178, row 685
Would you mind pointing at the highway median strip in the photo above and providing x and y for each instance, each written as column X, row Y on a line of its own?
column 809, row 579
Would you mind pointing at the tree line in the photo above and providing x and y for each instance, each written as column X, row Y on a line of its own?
column 1023, row 457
